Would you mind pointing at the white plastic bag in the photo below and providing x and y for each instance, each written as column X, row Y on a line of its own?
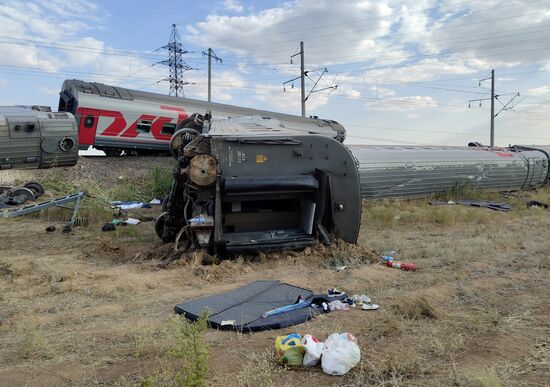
column 341, row 354
column 314, row 350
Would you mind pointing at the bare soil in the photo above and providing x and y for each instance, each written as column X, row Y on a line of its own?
column 93, row 308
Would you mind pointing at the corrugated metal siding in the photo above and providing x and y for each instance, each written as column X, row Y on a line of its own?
column 406, row 172
column 38, row 148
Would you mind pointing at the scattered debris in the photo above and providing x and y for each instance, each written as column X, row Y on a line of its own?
column 338, row 305
column 341, row 354
column 15, row 196
column 313, row 350
column 50, row 228
column 130, row 205
column 474, row 203
column 536, row 204
column 58, row 202
column 108, row 227
column 248, row 304
column 338, row 354
column 405, row 266
column 290, row 350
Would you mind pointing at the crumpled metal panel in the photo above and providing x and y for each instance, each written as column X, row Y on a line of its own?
column 414, row 171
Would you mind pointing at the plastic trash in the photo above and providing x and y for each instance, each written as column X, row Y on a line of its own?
column 132, row 221
column 341, row 354
column 338, row 305
column 289, row 349
column 360, row 299
column 402, row 265
column 314, row 349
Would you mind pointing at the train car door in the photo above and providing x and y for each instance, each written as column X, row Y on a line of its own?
column 87, row 125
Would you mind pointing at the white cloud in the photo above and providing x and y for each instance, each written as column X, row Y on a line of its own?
column 233, row 6
column 381, row 92
column 403, row 104
column 537, row 91
column 332, row 34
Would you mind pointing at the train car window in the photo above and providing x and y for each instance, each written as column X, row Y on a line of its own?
column 168, row 128
column 89, row 121
column 143, row 126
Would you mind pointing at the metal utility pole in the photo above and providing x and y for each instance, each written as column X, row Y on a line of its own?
column 302, row 76
column 211, row 54
column 494, row 97
column 175, row 63
column 493, row 107
column 303, row 79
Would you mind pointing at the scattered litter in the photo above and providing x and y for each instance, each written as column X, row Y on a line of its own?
column 360, row 299
column 132, row 221
column 338, row 305
column 289, row 349
column 50, row 228
column 155, row 202
column 338, row 354
column 490, row 205
column 405, row 266
column 340, row 268
column 313, row 350
column 388, row 258
column 369, row 306
column 335, row 293
column 130, row 205
column 442, row 203
column 108, row 227
column 287, row 308
column 536, row 204
column 474, row 203
column 341, row 354
column 227, row 322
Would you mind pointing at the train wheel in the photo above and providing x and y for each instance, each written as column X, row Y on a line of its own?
column 21, row 195
column 35, row 187
column 180, row 139
column 160, row 226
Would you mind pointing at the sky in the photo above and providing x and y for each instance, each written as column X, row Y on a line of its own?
column 405, row 70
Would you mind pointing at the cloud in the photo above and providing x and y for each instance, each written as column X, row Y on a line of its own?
column 403, row 104
column 331, row 34
column 28, row 26
column 233, row 6
column 537, row 91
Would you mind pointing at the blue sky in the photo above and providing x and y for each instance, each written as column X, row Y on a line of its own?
column 405, row 70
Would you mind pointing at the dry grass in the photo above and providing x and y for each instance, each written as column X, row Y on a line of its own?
column 93, row 308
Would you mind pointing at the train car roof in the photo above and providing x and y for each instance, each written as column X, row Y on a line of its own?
column 121, row 93
column 43, row 112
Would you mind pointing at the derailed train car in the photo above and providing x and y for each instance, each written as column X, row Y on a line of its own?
column 251, row 183
column 113, row 118
column 419, row 171
column 34, row 137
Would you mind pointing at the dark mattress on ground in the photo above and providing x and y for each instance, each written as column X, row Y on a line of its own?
column 246, row 305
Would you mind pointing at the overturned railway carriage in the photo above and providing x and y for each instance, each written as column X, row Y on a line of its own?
column 414, row 171
column 33, row 138
column 251, row 183
column 114, row 118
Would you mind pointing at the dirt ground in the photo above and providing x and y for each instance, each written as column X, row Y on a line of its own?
column 93, row 308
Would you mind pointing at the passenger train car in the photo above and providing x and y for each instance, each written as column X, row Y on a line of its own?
column 113, row 118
